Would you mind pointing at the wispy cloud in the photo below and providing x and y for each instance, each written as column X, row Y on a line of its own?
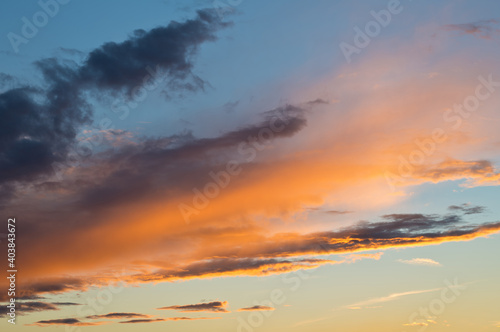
column 257, row 308
column 420, row 261
column 152, row 320
column 65, row 321
column 215, row 306
column 35, row 306
column 388, row 298
column 117, row 315
column 467, row 208
column 483, row 29
column 136, row 321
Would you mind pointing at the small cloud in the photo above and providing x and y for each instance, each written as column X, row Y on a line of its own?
column 230, row 107
column 35, row 306
column 64, row 321
column 191, row 318
column 466, row 208
column 216, row 306
column 134, row 321
column 317, row 101
column 115, row 315
column 257, row 308
column 338, row 212
column 482, row 29
column 420, row 261
column 390, row 297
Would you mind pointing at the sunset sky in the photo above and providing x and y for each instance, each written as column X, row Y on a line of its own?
column 237, row 165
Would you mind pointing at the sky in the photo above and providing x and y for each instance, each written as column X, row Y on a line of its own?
column 236, row 165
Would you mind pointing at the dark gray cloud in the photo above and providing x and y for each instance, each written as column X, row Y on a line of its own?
column 483, row 29
column 337, row 212
column 64, row 321
column 6, row 79
column 53, row 286
column 215, row 306
column 134, row 321
column 257, row 308
column 318, row 101
column 230, row 107
column 179, row 161
column 220, row 266
column 115, row 315
column 121, row 66
column 39, row 124
column 467, row 208
column 29, row 307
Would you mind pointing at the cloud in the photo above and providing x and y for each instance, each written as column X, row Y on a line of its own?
column 467, row 208
column 135, row 321
column 390, row 297
column 230, row 107
column 115, row 315
column 257, row 308
column 191, row 318
column 152, row 320
column 35, row 306
column 43, row 121
column 253, row 225
column 477, row 173
column 6, row 79
column 317, row 101
column 121, row 66
column 420, row 261
column 483, row 29
column 280, row 253
column 215, row 306
column 337, row 212
column 65, row 321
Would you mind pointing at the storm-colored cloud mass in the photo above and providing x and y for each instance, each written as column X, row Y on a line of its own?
column 40, row 123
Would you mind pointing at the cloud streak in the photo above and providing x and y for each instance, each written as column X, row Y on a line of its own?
column 420, row 261
column 215, row 306
column 257, row 308
column 485, row 29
